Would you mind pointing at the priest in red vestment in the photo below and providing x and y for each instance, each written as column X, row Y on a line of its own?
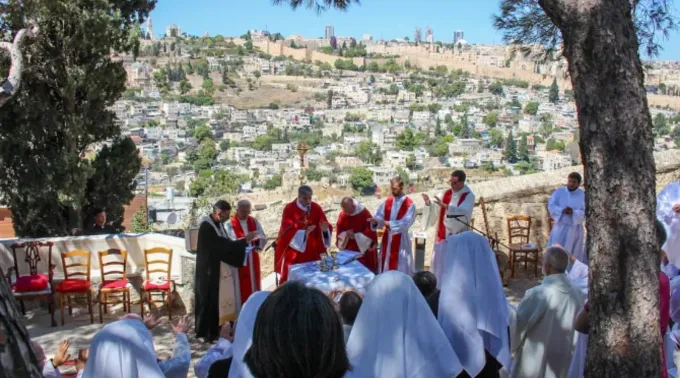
column 249, row 278
column 304, row 234
column 354, row 233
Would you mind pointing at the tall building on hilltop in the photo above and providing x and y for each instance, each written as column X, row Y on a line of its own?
column 368, row 37
column 418, row 35
column 330, row 32
column 149, row 30
column 430, row 36
column 173, row 31
column 457, row 36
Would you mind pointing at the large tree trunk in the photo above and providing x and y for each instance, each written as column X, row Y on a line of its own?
column 601, row 47
column 17, row 358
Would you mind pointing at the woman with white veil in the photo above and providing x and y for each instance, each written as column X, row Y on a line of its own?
column 473, row 309
column 395, row 334
column 244, row 334
column 122, row 349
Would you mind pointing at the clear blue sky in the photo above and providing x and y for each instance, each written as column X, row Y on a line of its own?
column 385, row 19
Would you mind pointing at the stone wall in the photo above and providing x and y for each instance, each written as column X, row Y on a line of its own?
column 518, row 195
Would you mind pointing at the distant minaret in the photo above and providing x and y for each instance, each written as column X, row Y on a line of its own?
column 149, row 30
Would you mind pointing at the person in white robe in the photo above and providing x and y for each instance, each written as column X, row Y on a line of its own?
column 473, row 308
column 668, row 213
column 545, row 337
column 122, row 349
column 395, row 334
column 244, row 335
column 397, row 214
column 450, row 212
column 567, row 207
column 578, row 274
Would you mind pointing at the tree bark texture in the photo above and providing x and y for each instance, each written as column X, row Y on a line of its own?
column 17, row 358
column 601, row 46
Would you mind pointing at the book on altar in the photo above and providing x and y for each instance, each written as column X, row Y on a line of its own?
column 343, row 257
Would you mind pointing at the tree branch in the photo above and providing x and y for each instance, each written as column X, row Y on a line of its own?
column 10, row 86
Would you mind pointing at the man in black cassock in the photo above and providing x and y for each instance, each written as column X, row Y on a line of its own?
column 214, row 247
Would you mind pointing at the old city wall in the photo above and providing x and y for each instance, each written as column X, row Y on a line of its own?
column 503, row 197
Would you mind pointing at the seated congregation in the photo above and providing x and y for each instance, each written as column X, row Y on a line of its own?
column 412, row 327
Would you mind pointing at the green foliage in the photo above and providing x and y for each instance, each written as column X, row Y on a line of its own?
column 184, row 87
column 554, row 94
column 406, row 141
column 496, row 88
column 527, row 168
column 215, row 183
column 202, row 133
column 490, row 119
column 273, row 106
column 313, row 174
column 138, row 224
column 62, row 107
column 361, row 179
column 523, row 149
column 553, row 144
column 510, row 153
column 262, row 143
column 368, row 152
column 401, row 172
column 348, row 65
column 224, row 145
column 292, row 87
column 496, row 137
column 531, row 108
column 547, row 126
column 661, row 126
column 273, row 183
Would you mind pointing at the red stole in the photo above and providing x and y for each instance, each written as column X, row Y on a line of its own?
column 396, row 239
column 441, row 231
column 359, row 223
column 247, row 281
column 295, row 219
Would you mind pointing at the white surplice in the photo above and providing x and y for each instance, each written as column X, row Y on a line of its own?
column 402, row 227
column 473, row 309
column 262, row 242
column 670, row 196
column 431, row 212
column 299, row 241
column 396, row 335
column 568, row 229
column 545, row 336
column 243, row 337
column 579, row 277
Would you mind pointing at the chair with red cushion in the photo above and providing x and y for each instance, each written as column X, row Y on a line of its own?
column 76, row 264
column 115, row 287
column 33, row 283
column 161, row 284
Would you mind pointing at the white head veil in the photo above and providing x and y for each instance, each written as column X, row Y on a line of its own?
column 473, row 309
column 395, row 334
column 244, row 334
column 122, row 349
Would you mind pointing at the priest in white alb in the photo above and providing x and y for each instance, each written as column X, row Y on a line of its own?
column 451, row 212
column 249, row 278
column 545, row 338
column 397, row 214
column 668, row 213
column 567, row 207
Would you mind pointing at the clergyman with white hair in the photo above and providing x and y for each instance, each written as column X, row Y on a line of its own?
column 249, row 275
column 543, row 345
column 354, row 232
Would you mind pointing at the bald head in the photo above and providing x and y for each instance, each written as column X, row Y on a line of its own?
column 243, row 209
column 555, row 260
column 348, row 206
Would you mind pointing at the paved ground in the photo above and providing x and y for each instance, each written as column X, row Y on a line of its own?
column 79, row 331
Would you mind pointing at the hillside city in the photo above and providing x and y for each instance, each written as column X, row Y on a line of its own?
column 214, row 116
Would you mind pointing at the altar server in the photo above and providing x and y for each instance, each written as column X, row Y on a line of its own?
column 668, row 213
column 458, row 201
column 567, row 207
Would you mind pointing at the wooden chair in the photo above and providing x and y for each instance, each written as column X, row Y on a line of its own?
column 114, row 280
column 76, row 264
column 35, row 284
column 166, row 287
column 519, row 230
